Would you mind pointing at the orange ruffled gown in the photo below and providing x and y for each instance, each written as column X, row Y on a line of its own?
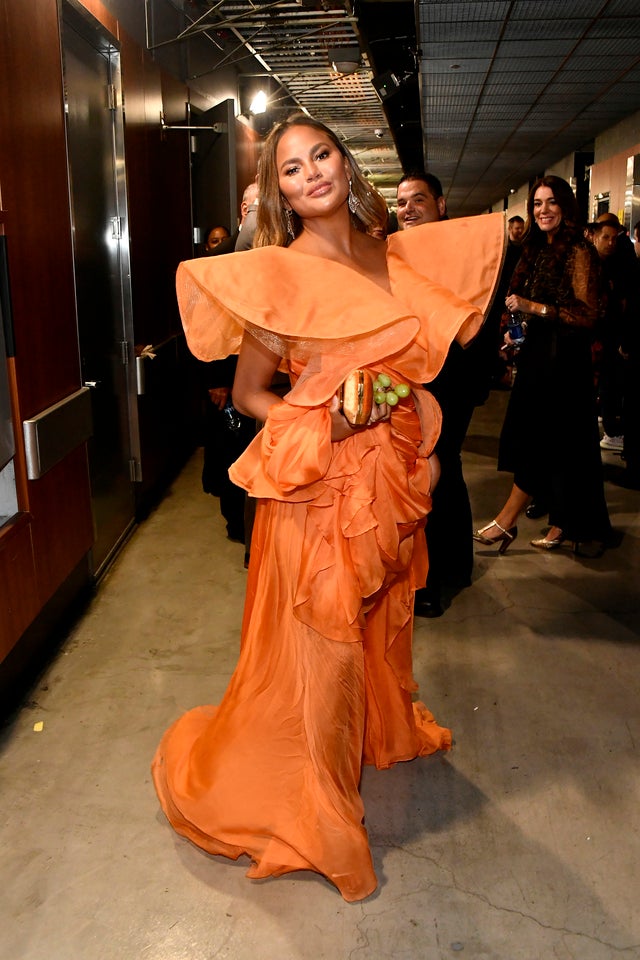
column 324, row 678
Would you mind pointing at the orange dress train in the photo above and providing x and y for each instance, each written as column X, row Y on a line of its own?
column 324, row 679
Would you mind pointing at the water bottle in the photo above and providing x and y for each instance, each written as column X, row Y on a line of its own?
column 516, row 330
column 231, row 416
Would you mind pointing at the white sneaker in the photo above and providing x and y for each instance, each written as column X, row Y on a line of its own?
column 612, row 443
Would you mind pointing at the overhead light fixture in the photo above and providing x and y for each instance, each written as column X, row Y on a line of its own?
column 386, row 84
column 345, row 59
column 259, row 103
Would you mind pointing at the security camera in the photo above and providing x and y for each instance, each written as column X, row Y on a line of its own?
column 379, row 132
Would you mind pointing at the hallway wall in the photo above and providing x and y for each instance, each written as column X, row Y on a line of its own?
column 45, row 547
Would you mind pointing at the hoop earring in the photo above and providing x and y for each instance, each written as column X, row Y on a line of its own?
column 289, row 218
column 352, row 201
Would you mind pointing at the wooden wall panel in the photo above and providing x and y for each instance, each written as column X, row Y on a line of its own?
column 53, row 532
column 100, row 12
column 174, row 187
column 19, row 599
column 248, row 143
column 35, row 197
column 159, row 192
column 44, row 553
column 159, row 195
column 60, row 503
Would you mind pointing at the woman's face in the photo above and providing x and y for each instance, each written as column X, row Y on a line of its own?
column 546, row 211
column 312, row 173
column 216, row 236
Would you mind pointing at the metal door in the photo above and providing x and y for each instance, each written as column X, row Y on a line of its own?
column 101, row 257
column 213, row 171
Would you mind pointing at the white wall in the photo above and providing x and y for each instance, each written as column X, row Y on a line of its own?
column 617, row 139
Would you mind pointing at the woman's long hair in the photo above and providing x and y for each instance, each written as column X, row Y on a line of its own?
column 534, row 241
column 570, row 227
column 371, row 211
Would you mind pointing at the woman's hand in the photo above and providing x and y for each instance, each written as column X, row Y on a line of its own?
column 219, row 396
column 340, row 426
column 516, row 304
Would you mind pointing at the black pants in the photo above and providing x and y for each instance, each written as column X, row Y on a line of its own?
column 631, row 417
column 611, row 390
column 449, row 527
column 222, row 446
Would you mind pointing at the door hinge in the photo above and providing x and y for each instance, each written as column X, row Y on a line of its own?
column 135, row 471
column 124, row 351
column 116, row 228
column 112, row 97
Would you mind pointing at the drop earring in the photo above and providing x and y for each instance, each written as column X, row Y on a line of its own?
column 352, row 201
column 289, row 218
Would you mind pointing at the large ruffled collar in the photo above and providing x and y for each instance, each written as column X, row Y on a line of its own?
column 297, row 302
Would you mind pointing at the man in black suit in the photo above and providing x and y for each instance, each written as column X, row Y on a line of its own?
column 227, row 433
column 242, row 237
column 459, row 386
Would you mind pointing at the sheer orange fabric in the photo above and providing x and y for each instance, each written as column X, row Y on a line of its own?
column 324, row 680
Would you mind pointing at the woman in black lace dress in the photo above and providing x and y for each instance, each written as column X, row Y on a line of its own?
column 550, row 439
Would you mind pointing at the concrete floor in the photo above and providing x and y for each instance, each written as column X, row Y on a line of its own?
column 522, row 844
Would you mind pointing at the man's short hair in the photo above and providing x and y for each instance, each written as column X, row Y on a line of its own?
column 516, row 219
column 429, row 179
column 599, row 226
column 609, row 218
column 250, row 193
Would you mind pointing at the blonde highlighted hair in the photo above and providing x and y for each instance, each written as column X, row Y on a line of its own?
column 371, row 211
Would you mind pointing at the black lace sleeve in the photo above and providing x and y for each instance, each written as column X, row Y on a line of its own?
column 579, row 293
column 566, row 276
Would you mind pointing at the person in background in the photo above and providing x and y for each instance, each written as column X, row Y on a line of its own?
column 462, row 383
column 500, row 362
column 228, row 243
column 515, row 228
column 636, row 239
column 227, row 433
column 420, row 200
column 248, row 218
column 213, row 238
column 550, row 439
column 624, row 252
column 630, row 352
column 617, row 279
column 324, row 679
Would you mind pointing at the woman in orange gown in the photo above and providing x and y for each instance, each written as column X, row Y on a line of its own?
column 324, row 679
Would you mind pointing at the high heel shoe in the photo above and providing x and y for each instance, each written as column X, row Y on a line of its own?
column 504, row 539
column 541, row 543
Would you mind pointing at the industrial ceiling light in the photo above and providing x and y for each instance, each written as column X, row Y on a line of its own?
column 345, row 59
column 259, row 103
